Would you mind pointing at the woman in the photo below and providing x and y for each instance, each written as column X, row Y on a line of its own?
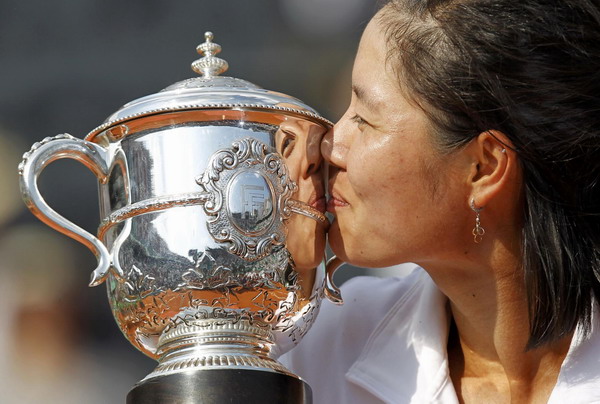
column 471, row 147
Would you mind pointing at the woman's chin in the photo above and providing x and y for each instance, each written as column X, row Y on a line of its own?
column 337, row 245
column 358, row 251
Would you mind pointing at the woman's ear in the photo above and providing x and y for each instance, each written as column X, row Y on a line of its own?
column 494, row 166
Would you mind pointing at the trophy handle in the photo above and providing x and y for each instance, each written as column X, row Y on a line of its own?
column 45, row 152
column 332, row 292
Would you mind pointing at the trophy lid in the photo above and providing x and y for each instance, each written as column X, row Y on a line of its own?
column 210, row 91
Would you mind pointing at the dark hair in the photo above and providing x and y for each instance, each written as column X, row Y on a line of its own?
column 530, row 69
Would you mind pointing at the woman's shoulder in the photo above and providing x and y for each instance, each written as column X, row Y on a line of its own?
column 341, row 333
column 362, row 287
column 579, row 377
column 367, row 300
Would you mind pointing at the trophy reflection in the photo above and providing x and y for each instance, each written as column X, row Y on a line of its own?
column 213, row 232
column 299, row 143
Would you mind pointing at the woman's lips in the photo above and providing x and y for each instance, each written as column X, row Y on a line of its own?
column 320, row 204
column 335, row 202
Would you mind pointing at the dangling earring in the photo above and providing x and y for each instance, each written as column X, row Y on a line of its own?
column 478, row 231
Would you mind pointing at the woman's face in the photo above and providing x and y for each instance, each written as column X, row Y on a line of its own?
column 393, row 194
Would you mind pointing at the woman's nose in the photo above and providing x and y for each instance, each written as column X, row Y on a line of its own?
column 333, row 148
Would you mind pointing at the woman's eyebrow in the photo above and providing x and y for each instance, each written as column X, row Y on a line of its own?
column 364, row 97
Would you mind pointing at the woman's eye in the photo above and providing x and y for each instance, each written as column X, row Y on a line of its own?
column 358, row 120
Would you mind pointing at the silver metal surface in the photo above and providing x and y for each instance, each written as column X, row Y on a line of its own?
column 210, row 91
column 213, row 230
column 209, row 65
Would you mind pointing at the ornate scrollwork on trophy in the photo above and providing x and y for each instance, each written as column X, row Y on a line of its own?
column 207, row 274
column 249, row 189
column 138, row 285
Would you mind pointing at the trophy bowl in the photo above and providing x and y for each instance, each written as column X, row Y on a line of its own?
column 213, row 232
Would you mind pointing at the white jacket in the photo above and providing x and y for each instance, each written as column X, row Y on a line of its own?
column 387, row 343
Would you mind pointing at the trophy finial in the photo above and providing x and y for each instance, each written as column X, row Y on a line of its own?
column 209, row 65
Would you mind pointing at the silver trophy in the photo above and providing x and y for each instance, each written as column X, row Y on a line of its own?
column 213, row 232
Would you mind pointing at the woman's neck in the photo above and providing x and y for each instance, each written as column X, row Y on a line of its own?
column 487, row 355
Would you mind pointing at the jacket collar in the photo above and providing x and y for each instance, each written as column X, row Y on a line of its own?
column 405, row 357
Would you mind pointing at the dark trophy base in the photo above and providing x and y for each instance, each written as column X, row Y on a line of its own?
column 222, row 386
